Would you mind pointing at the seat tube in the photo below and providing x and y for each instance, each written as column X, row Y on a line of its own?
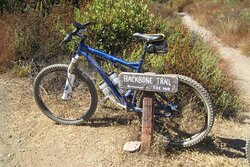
column 142, row 58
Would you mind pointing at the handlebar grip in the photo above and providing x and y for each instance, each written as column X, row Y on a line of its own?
column 67, row 38
column 81, row 26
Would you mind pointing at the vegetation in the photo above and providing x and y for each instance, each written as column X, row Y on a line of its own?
column 32, row 37
column 115, row 22
column 228, row 19
column 33, row 41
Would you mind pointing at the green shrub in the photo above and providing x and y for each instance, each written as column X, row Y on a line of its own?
column 114, row 22
column 21, row 70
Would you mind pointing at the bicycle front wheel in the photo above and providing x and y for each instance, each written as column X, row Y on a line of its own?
column 48, row 90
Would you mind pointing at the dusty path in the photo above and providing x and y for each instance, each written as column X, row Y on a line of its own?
column 28, row 138
column 239, row 67
column 239, row 64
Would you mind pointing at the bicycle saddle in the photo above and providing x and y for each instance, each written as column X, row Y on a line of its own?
column 149, row 37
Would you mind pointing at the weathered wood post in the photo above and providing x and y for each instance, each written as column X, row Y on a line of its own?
column 147, row 120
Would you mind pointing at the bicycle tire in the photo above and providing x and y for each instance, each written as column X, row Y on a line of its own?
column 248, row 150
column 208, row 116
column 48, row 89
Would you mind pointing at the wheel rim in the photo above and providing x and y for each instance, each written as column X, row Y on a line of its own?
column 190, row 119
column 51, row 90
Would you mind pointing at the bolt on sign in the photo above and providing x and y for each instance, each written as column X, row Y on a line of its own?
column 148, row 82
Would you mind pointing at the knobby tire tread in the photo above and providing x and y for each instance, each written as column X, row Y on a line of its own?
column 248, row 150
column 208, row 102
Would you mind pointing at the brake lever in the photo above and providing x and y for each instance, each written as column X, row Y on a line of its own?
column 82, row 30
column 66, row 39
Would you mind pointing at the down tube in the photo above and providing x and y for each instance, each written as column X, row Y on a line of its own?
column 103, row 75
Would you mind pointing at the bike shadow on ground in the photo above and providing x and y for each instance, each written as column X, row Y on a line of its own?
column 117, row 120
column 220, row 146
column 244, row 119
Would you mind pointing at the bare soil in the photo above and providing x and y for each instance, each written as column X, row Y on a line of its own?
column 28, row 138
column 239, row 64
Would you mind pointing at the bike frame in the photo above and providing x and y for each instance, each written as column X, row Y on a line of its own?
column 84, row 50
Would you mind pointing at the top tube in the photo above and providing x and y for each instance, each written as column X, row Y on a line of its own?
column 84, row 48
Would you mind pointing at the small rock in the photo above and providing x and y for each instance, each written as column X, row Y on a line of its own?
column 132, row 146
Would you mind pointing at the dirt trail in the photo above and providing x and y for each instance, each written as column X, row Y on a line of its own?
column 239, row 63
column 28, row 138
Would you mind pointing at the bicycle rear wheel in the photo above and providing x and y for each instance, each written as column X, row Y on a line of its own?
column 48, row 90
column 248, row 150
column 193, row 118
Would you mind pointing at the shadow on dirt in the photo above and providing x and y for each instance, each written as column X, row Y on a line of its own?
column 109, row 121
column 231, row 148
column 241, row 117
column 218, row 146
column 244, row 119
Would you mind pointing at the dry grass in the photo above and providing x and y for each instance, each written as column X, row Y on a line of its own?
column 229, row 20
column 6, row 43
column 30, row 39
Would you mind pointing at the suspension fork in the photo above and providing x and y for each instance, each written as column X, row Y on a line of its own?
column 70, row 78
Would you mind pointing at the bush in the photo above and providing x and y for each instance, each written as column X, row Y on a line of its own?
column 114, row 22
column 33, row 38
column 6, row 44
column 24, row 5
column 36, row 39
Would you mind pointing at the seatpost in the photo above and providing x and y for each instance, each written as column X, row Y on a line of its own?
column 144, row 51
column 142, row 58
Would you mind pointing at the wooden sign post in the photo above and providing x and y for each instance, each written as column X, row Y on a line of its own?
column 147, row 120
column 148, row 83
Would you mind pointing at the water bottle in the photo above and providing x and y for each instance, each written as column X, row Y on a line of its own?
column 105, row 88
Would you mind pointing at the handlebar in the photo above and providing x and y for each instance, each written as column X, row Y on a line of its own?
column 77, row 32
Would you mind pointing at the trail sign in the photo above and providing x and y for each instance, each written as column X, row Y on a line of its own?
column 148, row 82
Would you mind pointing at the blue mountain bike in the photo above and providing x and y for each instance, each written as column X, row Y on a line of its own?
column 67, row 95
